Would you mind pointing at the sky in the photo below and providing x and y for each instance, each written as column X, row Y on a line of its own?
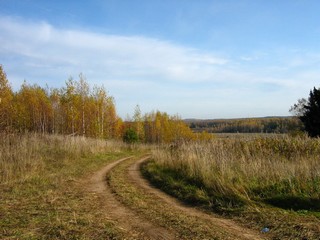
column 203, row 59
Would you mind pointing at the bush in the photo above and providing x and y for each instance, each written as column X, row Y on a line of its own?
column 130, row 136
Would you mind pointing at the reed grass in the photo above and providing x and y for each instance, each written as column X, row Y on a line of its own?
column 242, row 170
column 23, row 156
column 42, row 195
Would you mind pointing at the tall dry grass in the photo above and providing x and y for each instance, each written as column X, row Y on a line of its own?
column 248, row 168
column 22, row 156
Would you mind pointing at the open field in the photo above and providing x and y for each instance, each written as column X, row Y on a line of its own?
column 247, row 125
column 166, row 217
column 259, row 181
column 41, row 188
column 59, row 187
column 80, row 188
column 24, row 156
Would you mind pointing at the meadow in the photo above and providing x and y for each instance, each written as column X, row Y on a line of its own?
column 256, row 179
column 23, row 156
column 41, row 190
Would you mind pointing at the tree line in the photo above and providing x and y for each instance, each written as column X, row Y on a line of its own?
column 159, row 127
column 73, row 109
column 78, row 109
column 248, row 125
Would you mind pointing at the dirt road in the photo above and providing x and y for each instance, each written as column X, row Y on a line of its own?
column 127, row 220
column 144, row 212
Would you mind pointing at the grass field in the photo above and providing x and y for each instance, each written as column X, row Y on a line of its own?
column 41, row 193
column 261, row 181
column 245, row 176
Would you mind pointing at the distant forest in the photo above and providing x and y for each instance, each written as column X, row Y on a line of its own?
column 247, row 125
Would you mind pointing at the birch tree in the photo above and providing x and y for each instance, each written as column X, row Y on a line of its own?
column 6, row 97
column 82, row 88
column 138, row 123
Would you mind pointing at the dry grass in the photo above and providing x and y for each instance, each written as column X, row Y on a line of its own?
column 159, row 212
column 241, row 177
column 23, row 156
column 249, row 168
column 41, row 190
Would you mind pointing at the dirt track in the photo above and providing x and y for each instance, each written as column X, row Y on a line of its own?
column 127, row 220
column 139, row 226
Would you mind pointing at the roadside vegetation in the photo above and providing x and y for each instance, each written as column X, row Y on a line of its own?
column 184, row 222
column 246, row 178
column 52, row 139
column 41, row 190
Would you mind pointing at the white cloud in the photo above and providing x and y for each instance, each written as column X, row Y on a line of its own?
column 161, row 73
column 133, row 55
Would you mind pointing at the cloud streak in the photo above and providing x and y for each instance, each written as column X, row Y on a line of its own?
column 148, row 71
column 138, row 56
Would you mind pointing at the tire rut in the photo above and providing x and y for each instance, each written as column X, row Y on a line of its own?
column 134, row 226
column 236, row 231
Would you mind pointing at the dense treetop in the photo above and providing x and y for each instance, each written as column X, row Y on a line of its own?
column 310, row 115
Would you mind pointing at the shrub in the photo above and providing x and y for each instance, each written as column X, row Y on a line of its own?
column 130, row 136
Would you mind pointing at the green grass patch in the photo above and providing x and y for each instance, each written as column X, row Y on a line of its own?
column 157, row 211
column 285, row 221
column 294, row 186
column 293, row 194
column 190, row 191
column 295, row 203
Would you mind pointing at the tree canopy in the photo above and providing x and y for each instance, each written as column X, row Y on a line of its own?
column 75, row 109
column 78, row 109
column 310, row 116
column 6, row 96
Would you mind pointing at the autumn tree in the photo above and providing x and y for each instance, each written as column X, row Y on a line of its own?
column 138, row 123
column 162, row 128
column 73, row 109
column 76, row 109
column 111, row 118
column 56, row 121
column 106, row 120
column 6, row 96
column 181, row 130
column 100, row 96
column 148, row 127
column 118, row 128
column 82, row 95
column 33, row 109
column 68, row 107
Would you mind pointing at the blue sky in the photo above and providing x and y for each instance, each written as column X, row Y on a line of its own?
column 197, row 58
